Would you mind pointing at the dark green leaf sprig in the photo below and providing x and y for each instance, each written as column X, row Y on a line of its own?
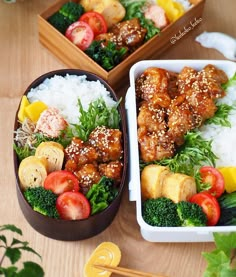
column 13, row 251
column 195, row 152
column 98, row 114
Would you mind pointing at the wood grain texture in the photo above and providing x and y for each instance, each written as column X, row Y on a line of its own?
column 23, row 59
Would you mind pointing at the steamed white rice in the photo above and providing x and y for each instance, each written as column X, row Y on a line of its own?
column 63, row 93
column 223, row 138
column 185, row 3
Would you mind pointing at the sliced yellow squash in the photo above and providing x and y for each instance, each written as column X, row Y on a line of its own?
column 21, row 113
column 107, row 253
column 229, row 174
column 34, row 110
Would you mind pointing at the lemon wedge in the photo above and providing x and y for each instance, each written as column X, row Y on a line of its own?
column 107, row 253
column 229, row 174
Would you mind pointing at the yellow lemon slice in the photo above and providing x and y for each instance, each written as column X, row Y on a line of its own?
column 229, row 174
column 107, row 253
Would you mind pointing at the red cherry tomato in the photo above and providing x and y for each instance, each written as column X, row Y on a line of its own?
column 209, row 205
column 61, row 181
column 81, row 34
column 96, row 21
column 73, row 206
column 210, row 175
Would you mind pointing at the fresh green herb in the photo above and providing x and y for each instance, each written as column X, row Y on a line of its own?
column 62, row 139
column 106, row 56
column 13, row 252
column 221, row 116
column 98, row 114
column 102, row 194
column 231, row 82
column 23, row 152
column 221, row 261
column 193, row 153
column 134, row 10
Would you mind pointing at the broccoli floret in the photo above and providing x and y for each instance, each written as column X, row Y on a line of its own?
column 191, row 214
column 68, row 13
column 161, row 212
column 42, row 201
column 60, row 22
column 72, row 11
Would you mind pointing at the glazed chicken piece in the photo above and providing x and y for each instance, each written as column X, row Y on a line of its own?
column 155, row 146
column 181, row 119
column 202, row 104
column 151, row 119
column 81, row 152
column 107, row 143
column 152, row 86
column 211, row 79
column 129, row 33
column 87, row 175
column 186, row 78
column 111, row 170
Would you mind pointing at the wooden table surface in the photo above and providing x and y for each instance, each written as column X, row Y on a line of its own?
column 22, row 59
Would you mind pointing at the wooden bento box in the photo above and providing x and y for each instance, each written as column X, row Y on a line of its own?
column 73, row 57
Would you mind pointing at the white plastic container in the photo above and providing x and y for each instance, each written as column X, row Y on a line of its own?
column 164, row 234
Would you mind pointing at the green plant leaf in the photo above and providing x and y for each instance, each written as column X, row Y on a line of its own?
column 13, row 254
column 3, row 238
column 11, row 227
column 16, row 241
column 29, row 249
column 31, row 269
column 9, row 271
column 225, row 242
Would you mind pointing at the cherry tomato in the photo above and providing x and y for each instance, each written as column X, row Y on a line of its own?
column 81, row 34
column 210, row 175
column 61, row 181
column 209, row 205
column 96, row 21
column 73, row 205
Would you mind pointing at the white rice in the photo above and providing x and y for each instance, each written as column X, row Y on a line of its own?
column 223, row 138
column 185, row 3
column 63, row 93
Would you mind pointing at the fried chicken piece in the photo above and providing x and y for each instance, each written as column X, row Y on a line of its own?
column 87, row 175
column 81, row 152
column 151, row 119
column 111, row 170
column 129, row 33
column 155, row 146
column 186, row 78
column 107, row 143
column 211, row 79
column 181, row 119
column 152, row 86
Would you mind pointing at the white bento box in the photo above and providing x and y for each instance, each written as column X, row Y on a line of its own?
column 164, row 234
